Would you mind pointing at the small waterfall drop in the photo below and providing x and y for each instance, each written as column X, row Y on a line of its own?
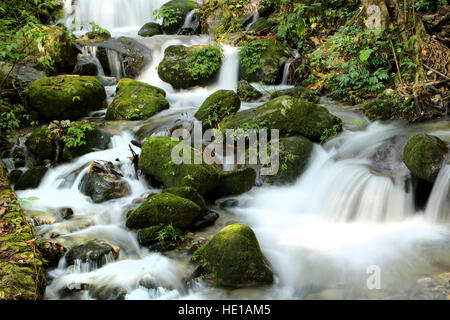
column 115, row 64
column 92, row 52
column 287, row 66
column 229, row 71
column 438, row 207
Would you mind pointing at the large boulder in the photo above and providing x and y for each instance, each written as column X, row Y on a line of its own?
column 103, row 186
column 289, row 115
column 150, row 29
column 41, row 144
column 185, row 67
column 298, row 93
column 294, row 156
column 424, row 155
column 136, row 101
column 66, row 96
column 31, row 178
column 156, row 161
column 176, row 14
column 233, row 258
column 218, row 106
column 263, row 60
column 234, row 183
column 247, row 92
column 133, row 55
column 164, row 208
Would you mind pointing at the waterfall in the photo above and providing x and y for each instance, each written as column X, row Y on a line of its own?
column 115, row 64
column 113, row 15
column 287, row 66
column 191, row 23
column 254, row 20
column 229, row 71
column 92, row 52
column 438, row 207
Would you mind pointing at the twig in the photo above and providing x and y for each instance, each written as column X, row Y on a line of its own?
column 437, row 72
column 396, row 61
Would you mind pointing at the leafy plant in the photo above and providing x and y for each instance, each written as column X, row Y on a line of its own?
column 204, row 61
column 250, row 56
column 170, row 15
column 76, row 134
column 167, row 237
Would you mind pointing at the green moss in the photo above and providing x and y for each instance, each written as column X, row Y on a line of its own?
column 31, row 178
column 289, row 115
column 378, row 110
column 160, row 238
column 95, row 139
column 66, row 96
column 185, row 67
column 164, row 208
column 188, row 193
column 150, row 29
column 156, row 161
column 247, row 92
column 233, row 258
column 234, row 183
column 298, row 93
column 41, row 144
column 424, row 155
column 175, row 12
column 136, row 101
column 218, row 106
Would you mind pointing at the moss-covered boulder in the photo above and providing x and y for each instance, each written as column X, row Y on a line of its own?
column 263, row 60
column 136, row 100
column 156, row 161
column 233, row 258
column 185, row 67
column 150, row 29
column 99, row 35
column 31, row 178
column 133, row 55
column 164, row 208
column 424, row 155
column 218, row 106
column 298, row 93
column 41, row 144
column 66, row 96
column 247, row 92
column 177, row 11
column 378, row 110
column 294, row 156
column 234, row 183
column 101, row 187
column 151, row 237
column 188, row 193
column 289, row 115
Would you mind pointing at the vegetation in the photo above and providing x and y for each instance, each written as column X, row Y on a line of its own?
column 204, row 61
column 76, row 134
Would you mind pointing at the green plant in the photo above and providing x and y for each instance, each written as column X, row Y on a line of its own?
column 76, row 134
column 204, row 61
column 250, row 56
column 167, row 237
column 14, row 119
column 328, row 133
column 170, row 15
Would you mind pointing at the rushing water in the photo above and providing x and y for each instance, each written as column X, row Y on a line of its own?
column 352, row 209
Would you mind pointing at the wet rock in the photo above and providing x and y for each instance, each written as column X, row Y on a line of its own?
column 136, row 101
column 18, row 157
column 31, row 178
column 164, row 208
column 40, row 143
column 218, row 106
column 424, row 155
column 378, row 110
column 262, row 27
column 26, row 74
column 43, row 217
column 389, row 155
column 54, row 97
column 94, row 252
column 272, row 59
column 150, row 237
column 234, row 183
column 156, row 160
column 107, row 81
column 188, row 193
column 14, row 176
column 229, row 203
column 103, row 183
column 133, row 55
column 64, row 213
column 186, row 67
column 298, row 93
column 289, row 115
column 86, row 66
column 233, row 258
column 206, row 220
column 247, row 92
column 52, row 251
column 179, row 9
column 150, row 29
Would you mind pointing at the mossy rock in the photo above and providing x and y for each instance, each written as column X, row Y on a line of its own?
column 294, row 156
column 233, row 258
column 378, row 110
column 156, row 161
column 136, row 100
column 188, row 193
column 96, row 139
column 424, row 155
column 271, row 58
column 179, row 9
column 247, row 92
column 149, row 237
column 150, row 29
column 67, row 96
column 289, row 115
column 234, row 183
column 298, row 93
column 164, row 208
column 99, row 35
column 40, row 143
column 218, row 106
column 262, row 26
column 266, row 8
column 31, row 178
column 180, row 62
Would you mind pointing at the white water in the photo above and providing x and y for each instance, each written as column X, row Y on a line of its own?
column 438, row 208
column 92, row 51
column 189, row 21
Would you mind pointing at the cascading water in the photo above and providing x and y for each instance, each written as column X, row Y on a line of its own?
column 438, row 208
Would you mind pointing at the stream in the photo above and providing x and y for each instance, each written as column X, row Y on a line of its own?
column 352, row 210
